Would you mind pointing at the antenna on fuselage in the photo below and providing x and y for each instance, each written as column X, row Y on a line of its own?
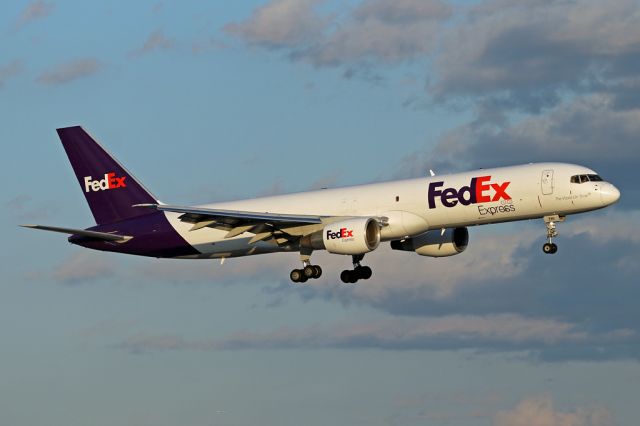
column 432, row 173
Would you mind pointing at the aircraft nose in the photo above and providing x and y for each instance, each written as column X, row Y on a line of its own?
column 609, row 194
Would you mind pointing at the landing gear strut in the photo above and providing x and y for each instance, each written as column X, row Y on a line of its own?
column 307, row 272
column 550, row 221
column 358, row 272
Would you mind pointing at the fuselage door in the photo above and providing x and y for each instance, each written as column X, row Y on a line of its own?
column 547, row 182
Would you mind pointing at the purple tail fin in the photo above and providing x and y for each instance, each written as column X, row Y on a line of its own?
column 108, row 187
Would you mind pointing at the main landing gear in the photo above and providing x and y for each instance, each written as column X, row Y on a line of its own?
column 549, row 247
column 307, row 272
column 358, row 272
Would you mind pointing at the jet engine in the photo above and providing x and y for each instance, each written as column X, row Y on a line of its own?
column 350, row 236
column 435, row 244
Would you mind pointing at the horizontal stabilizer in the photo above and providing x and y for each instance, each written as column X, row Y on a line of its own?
column 83, row 232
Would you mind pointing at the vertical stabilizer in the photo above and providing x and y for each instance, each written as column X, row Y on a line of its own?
column 108, row 187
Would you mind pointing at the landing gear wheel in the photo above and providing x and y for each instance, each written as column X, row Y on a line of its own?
column 309, row 271
column 549, row 248
column 348, row 276
column 297, row 276
column 364, row 272
column 318, row 273
column 359, row 272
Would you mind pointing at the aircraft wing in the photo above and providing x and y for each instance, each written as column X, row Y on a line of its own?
column 266, row 226
column 83, row 232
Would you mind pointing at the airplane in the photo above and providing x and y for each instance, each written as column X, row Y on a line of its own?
column 426, row 215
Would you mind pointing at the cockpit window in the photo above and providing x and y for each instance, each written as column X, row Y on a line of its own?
column 585, row 178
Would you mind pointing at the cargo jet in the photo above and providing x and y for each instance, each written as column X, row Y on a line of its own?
column 427, row 215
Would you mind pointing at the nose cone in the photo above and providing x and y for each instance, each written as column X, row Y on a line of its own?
column 609, row 194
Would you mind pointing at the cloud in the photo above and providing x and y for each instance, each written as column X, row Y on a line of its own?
column 10, row 70
column 24, row 208
column 35, row 10
column 281, row 23
column 84, row 267
column 524, row 56
column 207, row 45
column 70, row 71
column 155, row 41
column 505, row 272
column 374, row 31
column 529, row 54
column 540, row 411
column 504, row 333
column 583, row 130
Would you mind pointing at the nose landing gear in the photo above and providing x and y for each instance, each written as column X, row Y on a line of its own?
column 550, row 221
column 358, row 272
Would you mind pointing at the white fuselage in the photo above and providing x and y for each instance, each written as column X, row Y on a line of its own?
column 415, row 206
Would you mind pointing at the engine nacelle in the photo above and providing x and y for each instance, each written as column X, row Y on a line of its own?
column 432, row 243
column 350, row 236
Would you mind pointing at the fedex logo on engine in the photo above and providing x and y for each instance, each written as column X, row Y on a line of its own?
column 480, row 190
column 342, row 233
column 110, row 181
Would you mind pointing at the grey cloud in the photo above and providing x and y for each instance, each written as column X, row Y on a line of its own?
column 586, row 294
column 530, row 54
column 207, row 45
column 24, row 208
column 155, row 41
column 402, row 11
column 10, row 70
column 381, row 31
column 511, row 333
column 34, row 10
column 281, row 23
column 523, row 55
column 70, row 71
column 594, row 271
column 84, row 267
column 540, row 410
column 374, row 31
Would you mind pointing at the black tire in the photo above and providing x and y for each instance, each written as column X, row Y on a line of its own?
column 296, row 275
column 318, row 273
column 554, row 248
column 365, row 272
column 345, row 276
column 548, row 248
column 309, row 271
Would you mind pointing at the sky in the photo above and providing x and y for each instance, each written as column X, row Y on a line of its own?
column 213, row 101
